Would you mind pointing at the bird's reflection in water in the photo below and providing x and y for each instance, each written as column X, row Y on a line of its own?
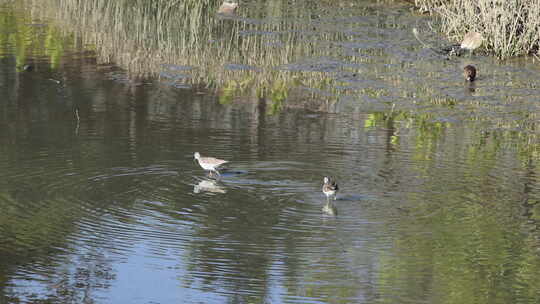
column 470, row 88
column 329, row 209
column 208, row 185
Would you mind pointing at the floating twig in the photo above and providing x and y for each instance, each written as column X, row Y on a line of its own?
column 78, row 121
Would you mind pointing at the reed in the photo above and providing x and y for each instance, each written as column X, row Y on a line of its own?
column 509, row 28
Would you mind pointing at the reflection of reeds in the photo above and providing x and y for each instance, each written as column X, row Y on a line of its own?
column 158, row 37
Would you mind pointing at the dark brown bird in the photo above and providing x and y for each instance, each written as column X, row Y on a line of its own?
column 469, row 72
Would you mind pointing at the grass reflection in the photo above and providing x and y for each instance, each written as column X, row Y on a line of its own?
column 265, row 50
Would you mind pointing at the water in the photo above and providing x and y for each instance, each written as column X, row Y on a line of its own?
column 439, row 180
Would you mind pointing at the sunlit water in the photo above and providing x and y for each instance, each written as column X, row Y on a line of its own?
column 438, row 202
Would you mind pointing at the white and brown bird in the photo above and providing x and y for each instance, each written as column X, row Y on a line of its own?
column 228, row 7
column 209, row 163
column 472, row 41
column 330, row 188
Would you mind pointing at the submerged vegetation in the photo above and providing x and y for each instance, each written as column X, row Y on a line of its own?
column 509, row 28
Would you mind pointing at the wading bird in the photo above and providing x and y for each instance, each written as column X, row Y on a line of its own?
column 469, row 72
column 209, row 163
column 330, row 188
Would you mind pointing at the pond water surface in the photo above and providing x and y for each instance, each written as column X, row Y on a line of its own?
column 101, row 200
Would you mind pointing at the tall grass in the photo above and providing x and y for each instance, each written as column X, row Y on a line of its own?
column 509, row 28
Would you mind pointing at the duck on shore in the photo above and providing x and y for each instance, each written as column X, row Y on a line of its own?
column 471, row 41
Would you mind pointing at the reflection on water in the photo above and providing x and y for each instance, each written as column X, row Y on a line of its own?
column 330, row 209
column 209, row 186
column 102, row 202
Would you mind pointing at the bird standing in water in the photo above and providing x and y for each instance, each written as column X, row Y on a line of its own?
column 209, row 163
column 469, row 72
column 330, row 188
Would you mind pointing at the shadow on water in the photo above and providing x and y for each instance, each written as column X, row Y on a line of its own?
column 101, row 198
